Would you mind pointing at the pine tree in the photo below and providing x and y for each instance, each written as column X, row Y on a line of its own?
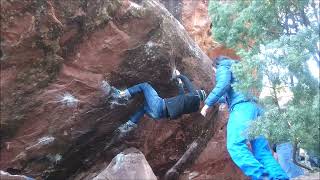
column 275, row 40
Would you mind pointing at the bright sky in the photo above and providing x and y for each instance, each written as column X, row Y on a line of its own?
column 313, row 66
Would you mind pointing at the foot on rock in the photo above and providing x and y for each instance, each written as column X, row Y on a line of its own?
column 118, row 94
column 121, row 133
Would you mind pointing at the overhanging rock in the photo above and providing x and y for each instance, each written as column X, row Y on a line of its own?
column 57, row 120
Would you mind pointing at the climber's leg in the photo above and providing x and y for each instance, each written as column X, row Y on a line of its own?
column 125, row 129
column 285, row 153
column 263, row 154
column 153, row 102
column 240, row 117
column 135, row 118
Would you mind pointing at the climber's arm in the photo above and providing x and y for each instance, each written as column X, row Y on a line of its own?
column 223, row 83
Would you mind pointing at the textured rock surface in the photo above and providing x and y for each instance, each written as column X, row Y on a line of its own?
column 55, row 119
column 130, row 165
column 54, row 56
column 196, row 20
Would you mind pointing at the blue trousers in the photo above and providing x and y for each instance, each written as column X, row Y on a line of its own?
column 153, row 104
column 256, row 163
column 285, row 152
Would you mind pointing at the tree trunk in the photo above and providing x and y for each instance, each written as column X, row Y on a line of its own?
column 193, row 151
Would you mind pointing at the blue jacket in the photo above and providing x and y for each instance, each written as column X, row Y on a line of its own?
column 224, row 79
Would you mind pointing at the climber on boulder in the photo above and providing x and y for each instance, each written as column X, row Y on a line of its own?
column 258, row 164
column 157, row 107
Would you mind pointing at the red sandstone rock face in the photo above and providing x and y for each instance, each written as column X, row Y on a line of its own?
column 55, row 119
column 51, row 50
column 196, row 20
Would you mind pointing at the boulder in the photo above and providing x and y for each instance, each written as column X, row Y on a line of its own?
column 130, row 165
column 55, row 55
column 55, row 118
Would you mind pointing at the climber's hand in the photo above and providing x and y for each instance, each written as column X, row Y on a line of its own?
column 204, row 110
column 175, row 73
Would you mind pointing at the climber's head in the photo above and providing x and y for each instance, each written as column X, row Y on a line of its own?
column 223, row 61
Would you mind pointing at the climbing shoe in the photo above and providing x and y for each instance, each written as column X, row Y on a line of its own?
column 121, row 133
column 111, row 90
column 126, row 128
column 116, row 93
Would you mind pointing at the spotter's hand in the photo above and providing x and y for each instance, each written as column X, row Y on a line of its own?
column 204, row 110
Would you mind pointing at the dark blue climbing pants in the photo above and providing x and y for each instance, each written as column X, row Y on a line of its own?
column 153, row 105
